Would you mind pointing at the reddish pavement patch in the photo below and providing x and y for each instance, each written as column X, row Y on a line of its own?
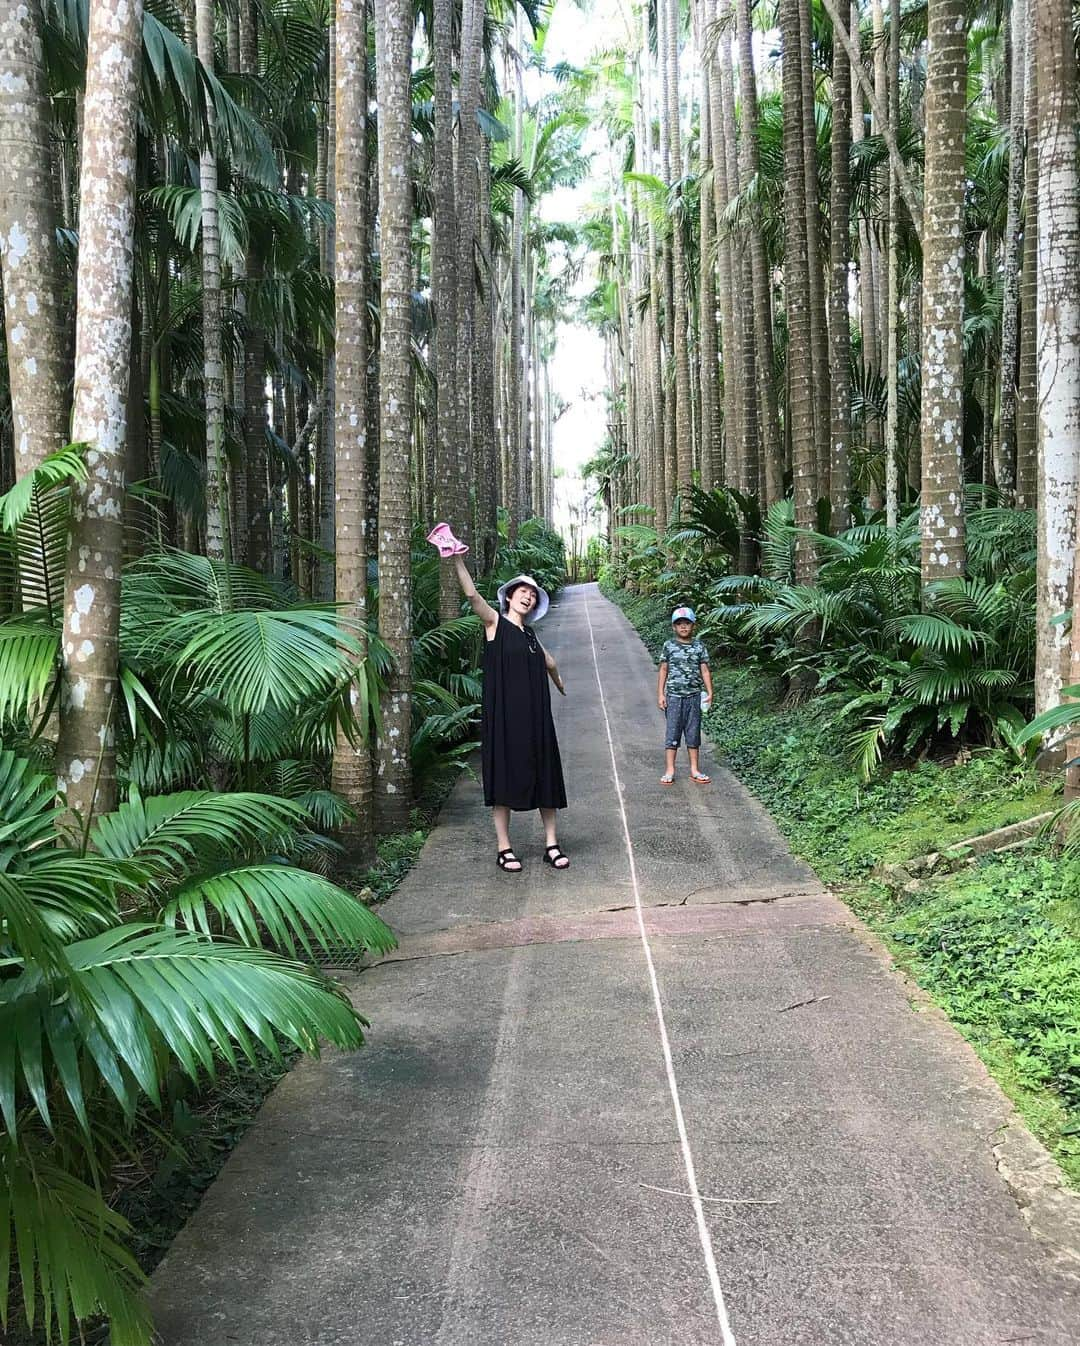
column 787, row 912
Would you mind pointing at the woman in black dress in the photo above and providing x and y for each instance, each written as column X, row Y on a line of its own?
column 520, row 753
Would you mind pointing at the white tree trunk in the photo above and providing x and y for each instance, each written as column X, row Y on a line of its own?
column 1058, row 338
column 86, row 752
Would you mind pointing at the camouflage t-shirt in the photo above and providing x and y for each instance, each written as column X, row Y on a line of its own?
column 684, row 666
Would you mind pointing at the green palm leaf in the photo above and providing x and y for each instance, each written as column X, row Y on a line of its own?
column 136, row 989
column 69, row 1250
column 290, row 904
column 29, row 654
column 167, row 833
column 253, row 659
column 940, row 634
column 57, row 469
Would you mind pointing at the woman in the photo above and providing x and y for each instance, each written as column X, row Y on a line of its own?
column 520, row 753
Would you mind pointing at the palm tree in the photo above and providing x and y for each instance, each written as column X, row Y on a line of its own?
column 942, row 499
column 707, row 249
column 819, row 328
column 684, row 443
column 797, row 293
column 450, row 482
column 1059, row 350
column 217, row 482
column 86, row 751
column 767, row 418
column 475, row 413
column 37, row 365
column 1005, row 466
column 393, row 66
column 839, row 264
column 1027, row 472
column 351, row 769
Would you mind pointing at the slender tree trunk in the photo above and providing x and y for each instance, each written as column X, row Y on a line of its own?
column 892, row 301
column 326, row 466
column 1059, row 354
column 710, row 400
column 37, row 358
column 819, row 327
column 86, row 751
column 684, row 452
column 1027, row 473
column 38, row 370
column 484, row 373
column 725, row 158
column 942, row 510
column 351, row 775
column 1005, row 461
column 839, row 321
column 471, row 431
column 393, row 30
column 218, row 546
column 450, row 486
column 797, row 295
column 767, row 416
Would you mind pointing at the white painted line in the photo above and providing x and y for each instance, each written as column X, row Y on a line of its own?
column 726, row 1334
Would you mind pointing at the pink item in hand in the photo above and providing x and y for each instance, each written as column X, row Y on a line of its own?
column 445, row 542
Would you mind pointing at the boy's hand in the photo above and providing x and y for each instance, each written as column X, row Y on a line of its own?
column 562, row 689
column 661, row 701
column 707, row 703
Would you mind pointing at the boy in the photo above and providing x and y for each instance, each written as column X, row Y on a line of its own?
column 684, row 673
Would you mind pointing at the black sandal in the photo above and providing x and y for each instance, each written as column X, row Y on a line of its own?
column 552, row 860
column 505, row 859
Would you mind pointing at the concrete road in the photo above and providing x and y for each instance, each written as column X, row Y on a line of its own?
column 671, row 1097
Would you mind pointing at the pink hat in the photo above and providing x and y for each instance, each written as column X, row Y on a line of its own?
column 447, row 544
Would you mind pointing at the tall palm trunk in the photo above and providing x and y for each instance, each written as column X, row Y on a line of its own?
column 839, row 268
column 217, row 484
column 326, row 464
column 767, row 417
column 1059, row 350
column 797, row 293
column 1027, row 474
column 37, row 361
column 710, row 400
column 487, row 460
column 659, row 484
column 351, row 767
column 470, row 416
column 1005, row 462
column 942, row 512
column 684, row 444
column 450, row 487
column 86, row 751
column 892, row 297
column 725, row 168
column 393, row 31
column 33, row 322
column 819, row 327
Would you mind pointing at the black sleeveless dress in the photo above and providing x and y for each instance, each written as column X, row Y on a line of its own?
column 520, row 753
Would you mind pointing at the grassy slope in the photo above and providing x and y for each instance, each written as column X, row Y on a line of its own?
column 996, row 945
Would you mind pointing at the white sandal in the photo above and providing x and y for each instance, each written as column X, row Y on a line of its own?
column 667, row 778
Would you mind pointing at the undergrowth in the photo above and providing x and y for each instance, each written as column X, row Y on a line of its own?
column 996, row 945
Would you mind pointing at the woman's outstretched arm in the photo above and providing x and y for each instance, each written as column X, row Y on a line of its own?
column 477, row 602
column 553, row 670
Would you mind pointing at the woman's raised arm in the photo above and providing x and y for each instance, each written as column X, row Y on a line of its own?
column 477, row 602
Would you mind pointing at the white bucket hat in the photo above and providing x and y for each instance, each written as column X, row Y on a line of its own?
column 542, row 600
